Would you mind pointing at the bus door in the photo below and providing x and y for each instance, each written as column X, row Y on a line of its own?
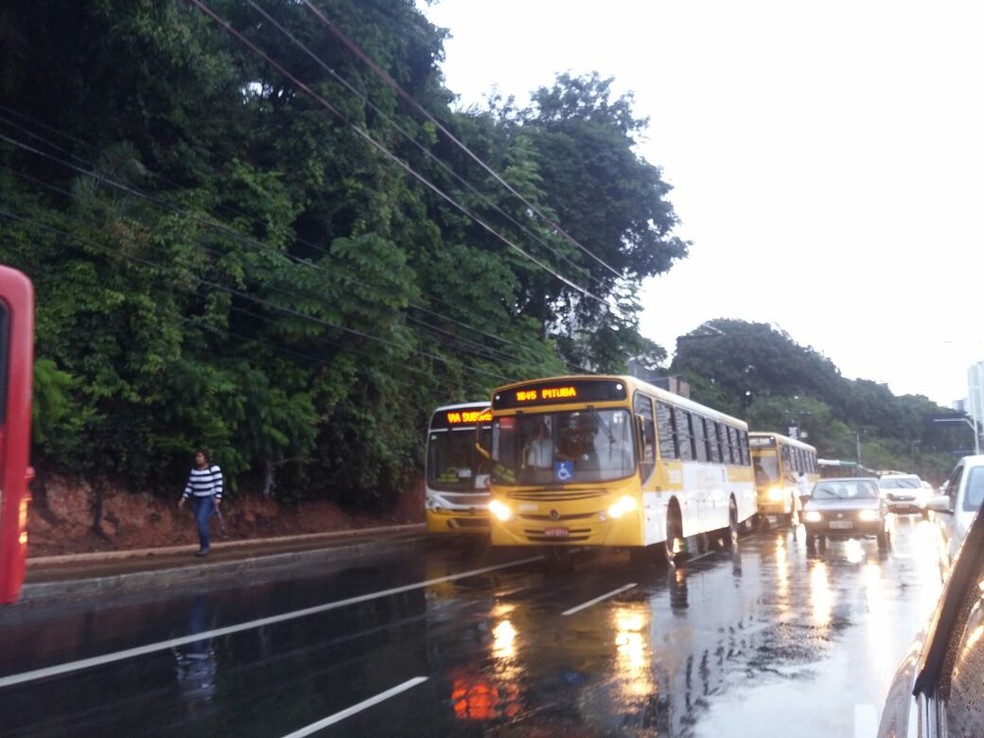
column 16, row 369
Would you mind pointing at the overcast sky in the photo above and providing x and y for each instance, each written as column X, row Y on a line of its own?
column 827, row 160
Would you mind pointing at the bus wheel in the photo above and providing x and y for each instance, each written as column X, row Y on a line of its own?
column 675, row 543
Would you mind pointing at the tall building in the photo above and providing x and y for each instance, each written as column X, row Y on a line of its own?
column 975, row 393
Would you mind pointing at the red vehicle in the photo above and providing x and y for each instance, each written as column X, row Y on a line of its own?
column 16, row 374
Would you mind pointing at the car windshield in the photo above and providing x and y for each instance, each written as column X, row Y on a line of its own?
column 900, row 483
column 567, row 447
column 845, row 490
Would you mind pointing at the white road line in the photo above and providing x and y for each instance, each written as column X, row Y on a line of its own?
column 865, row 721
column 349, row 711
column 67, row 668
column 596, row 600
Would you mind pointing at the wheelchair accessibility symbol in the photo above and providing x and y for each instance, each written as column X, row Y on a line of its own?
column 563, row 471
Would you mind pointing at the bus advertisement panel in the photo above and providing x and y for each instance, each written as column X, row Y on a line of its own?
column 612, row 461
column 456, row 493
column 785, row 472
column 16, row 375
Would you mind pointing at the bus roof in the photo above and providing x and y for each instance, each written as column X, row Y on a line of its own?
column 780, row 438
column 631, row 383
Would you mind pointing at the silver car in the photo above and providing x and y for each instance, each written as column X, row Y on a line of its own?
column 955, row 510
column 936, row 690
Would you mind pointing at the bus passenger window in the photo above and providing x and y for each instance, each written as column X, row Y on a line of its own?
column 643, row 408
column 685, row 439
column 713, row 450
column 664, row 427
column 700, row 440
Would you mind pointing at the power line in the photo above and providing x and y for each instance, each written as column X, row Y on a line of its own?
column 429, row 154
column 227, row 26
column 381, row 73
column 235, row 235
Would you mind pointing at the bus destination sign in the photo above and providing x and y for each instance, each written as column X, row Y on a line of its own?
column 556, row 392
column 462, row 417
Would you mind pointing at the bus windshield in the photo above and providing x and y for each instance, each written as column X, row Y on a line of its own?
column 453, row 462
column 766, row 468
column 562, row 448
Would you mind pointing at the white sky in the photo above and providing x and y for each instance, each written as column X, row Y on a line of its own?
column 827, row 160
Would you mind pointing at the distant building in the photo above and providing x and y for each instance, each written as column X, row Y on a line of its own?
column 975, row 392
column 673, row 384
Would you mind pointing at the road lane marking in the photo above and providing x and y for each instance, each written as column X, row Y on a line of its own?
column 596, row 600
column 349, row 711
column 72, row 666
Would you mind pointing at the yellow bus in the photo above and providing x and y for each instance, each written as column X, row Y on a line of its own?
column 612, row 461
column 785, row 471
column 456, row 482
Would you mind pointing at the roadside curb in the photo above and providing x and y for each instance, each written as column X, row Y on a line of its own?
column 254, row 567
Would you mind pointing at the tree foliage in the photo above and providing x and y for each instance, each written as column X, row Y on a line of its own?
column 758, row 372
column 244, row 233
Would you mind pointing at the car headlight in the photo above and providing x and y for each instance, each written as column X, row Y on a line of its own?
column 812, row 517
column 623, row 505
column 869, row 516
column 500, row 510
column 776, row 494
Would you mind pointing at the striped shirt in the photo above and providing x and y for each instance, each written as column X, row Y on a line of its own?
column 204, row 483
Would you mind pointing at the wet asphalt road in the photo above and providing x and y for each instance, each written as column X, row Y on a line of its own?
column 768, row 640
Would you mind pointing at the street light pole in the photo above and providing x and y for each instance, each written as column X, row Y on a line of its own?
column 968, row 421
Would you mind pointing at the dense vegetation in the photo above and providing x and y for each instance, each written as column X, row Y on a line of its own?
column 759, row 373
column 264, row 228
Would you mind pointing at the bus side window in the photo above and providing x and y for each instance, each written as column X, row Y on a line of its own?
column 647, row 434
column 664, row 427
column 713, row 448
column 700, row 439
column 685, row 439
column 732, row 455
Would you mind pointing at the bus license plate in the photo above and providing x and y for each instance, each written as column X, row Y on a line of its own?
column 841, row 524
column 556, row 532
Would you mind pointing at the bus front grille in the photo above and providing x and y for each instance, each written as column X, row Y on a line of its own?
column 558, row 495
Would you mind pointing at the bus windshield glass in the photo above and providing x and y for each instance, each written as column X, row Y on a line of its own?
column 766, row 468
column 453, row 462
column 562, row 448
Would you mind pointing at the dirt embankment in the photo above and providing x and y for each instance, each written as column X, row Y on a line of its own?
column 67, row 518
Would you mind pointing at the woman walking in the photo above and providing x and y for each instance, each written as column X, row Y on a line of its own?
column 204, row 487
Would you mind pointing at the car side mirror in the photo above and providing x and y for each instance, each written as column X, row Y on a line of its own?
column 940, row 504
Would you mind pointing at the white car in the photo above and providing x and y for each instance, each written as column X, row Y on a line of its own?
column 904, row 493
column 936, row 691
column 955, row 510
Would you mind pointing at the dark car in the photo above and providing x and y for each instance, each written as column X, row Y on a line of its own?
column 847, row 507
column 936, row 690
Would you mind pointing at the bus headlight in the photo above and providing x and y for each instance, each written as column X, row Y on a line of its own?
column 500, row 510
column 868, row 515
column 623, row 505
column 776, row 494
column 812, row 517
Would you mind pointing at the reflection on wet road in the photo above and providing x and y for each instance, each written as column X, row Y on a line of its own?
column 733, row 643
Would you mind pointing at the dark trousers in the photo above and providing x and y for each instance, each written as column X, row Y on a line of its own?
column 204, row 507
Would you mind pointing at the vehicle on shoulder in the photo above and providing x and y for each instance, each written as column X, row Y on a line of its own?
column 905, row 493
column 847, row 507
column 954, row 510
column 936, row 689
